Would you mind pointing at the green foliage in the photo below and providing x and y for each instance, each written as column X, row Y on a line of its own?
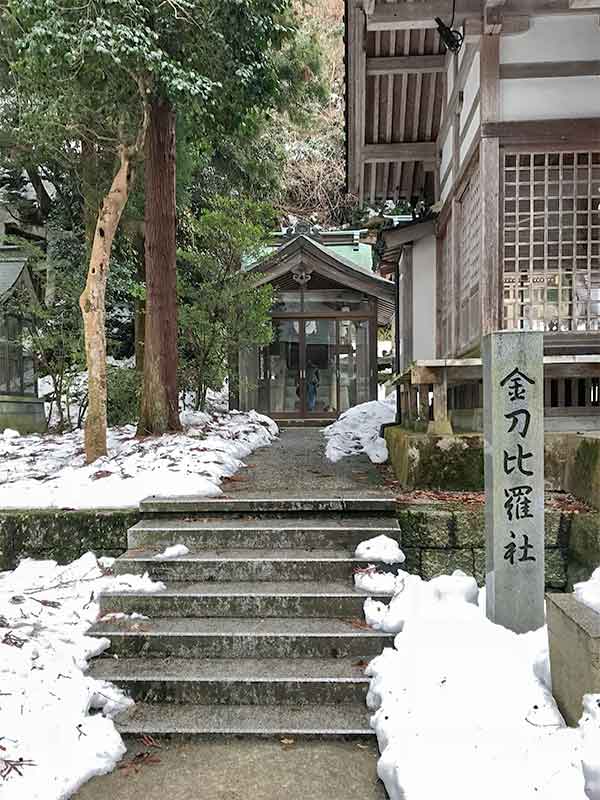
column 123, row 395
column 220, row 310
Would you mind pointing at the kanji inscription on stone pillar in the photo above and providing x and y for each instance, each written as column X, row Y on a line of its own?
column 513, row 393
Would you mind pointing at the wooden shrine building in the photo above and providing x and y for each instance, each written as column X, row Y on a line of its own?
column 328, row 306
column 502, row 139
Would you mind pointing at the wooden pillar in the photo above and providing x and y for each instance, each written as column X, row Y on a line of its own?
column 412, row 403
column 405, row 291
column 441, row 421
column 491, row 264
column 424, row 403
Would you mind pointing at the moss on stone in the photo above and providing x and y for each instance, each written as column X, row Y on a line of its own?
column 62, row 535
column 584, row 477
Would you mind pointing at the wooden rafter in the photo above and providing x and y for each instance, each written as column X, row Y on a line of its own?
column 409, row 16
column 400, row 151
column 401, row 65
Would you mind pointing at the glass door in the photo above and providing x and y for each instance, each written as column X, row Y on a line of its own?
column 283, row 368
column 319, row 368
column 314, row 367
column 353, row 349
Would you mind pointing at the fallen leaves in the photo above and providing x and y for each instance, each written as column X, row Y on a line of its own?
column 143, row 758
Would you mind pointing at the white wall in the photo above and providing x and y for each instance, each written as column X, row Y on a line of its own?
column 557, row 38
column 550, row 98
column 424, row 255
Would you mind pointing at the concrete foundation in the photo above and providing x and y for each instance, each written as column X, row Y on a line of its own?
column 24, row 414
column 574, row 634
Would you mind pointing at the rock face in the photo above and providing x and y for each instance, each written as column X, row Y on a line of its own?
column 258, row 630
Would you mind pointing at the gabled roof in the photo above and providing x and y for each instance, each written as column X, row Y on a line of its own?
column 13, row 271
column 303, row 252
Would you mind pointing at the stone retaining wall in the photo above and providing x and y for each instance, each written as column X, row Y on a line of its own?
column 439, row 539
column 62, row 535
column 455, row 463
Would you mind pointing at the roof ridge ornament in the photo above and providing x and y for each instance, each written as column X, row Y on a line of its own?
column 302, row 275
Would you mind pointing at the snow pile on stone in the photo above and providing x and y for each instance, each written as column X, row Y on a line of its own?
column 357, row 431
column 174, row 551
column 588, row 592
column 371, row 580
column 47, row 471
column 463, row 708
column 381, row 548
column 52, row 715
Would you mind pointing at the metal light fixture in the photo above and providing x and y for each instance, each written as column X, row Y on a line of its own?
column 451, row 38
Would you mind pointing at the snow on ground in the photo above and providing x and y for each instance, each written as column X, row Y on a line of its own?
column 588, row 592
column 463, row 707
column 357, row 431
column 54, row 717
column 49, row 471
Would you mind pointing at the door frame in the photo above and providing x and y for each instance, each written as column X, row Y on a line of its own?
column 303, row 317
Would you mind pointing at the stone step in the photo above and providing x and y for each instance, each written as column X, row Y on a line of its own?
column 287, row 505
column 244, row 565
column 237, row 681
column 189, row 721
column 260, row 533
column 243, row 599
column 241, row 638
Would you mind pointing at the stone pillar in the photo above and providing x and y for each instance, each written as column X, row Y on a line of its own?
column 513, row 386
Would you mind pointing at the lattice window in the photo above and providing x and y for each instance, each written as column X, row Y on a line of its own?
column 469, row 264
column 445, row 292
column 551, row 241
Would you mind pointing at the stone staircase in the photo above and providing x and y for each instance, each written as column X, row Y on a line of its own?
column 259, row 631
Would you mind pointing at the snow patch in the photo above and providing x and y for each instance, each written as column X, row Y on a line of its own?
column 53, row 715
column 174, row 551
column 357, row 431
column 449, row 443
column 381, row 548
column 370, row 580
column 49, row 471
column 588, row 592
column 463, row 706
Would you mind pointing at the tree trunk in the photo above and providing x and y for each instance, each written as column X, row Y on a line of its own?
column 159, row 411
column 140, row 307
column 92, row 303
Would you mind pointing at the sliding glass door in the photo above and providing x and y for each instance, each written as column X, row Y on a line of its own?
column 315, row 367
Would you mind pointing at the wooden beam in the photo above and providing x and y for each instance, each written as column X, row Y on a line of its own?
column 402, row 65
column 399, row 151
column 409, row 16
column 511, row 24
column 548, row 131
column 549, row 69
column 493, row 17
column 458, row 86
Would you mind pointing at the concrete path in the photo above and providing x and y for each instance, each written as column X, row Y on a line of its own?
column 295, row 466
column 246, row 770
